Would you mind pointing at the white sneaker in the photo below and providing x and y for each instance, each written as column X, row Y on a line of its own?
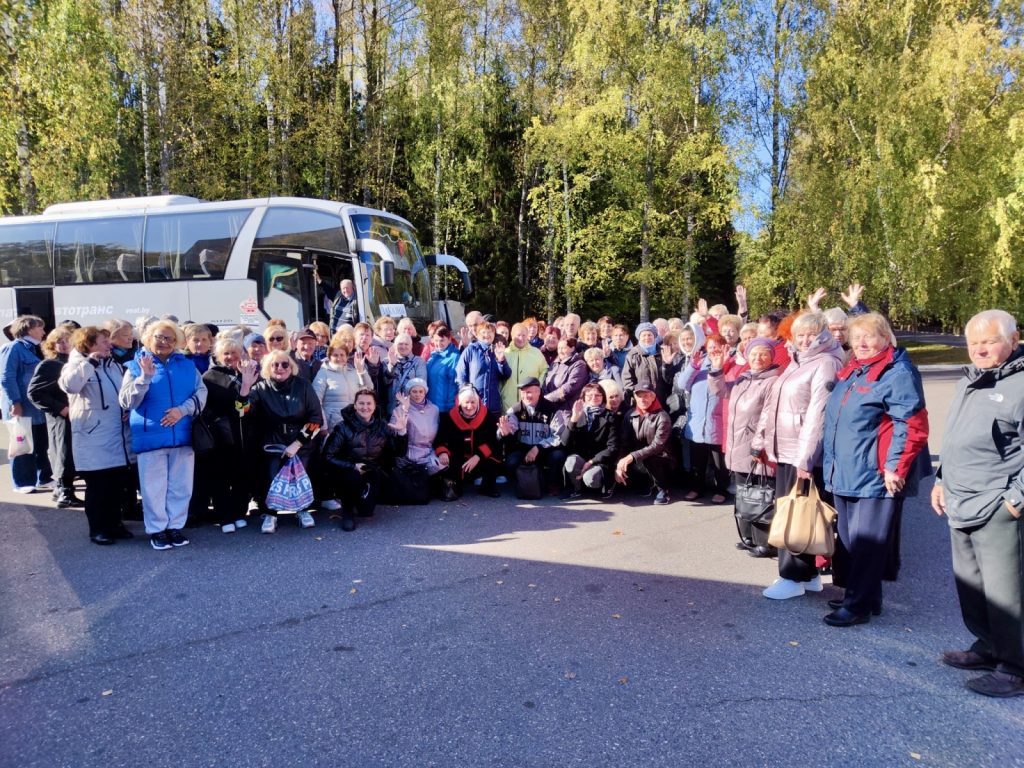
column 306, row 519
column 814, row 585
column 46, row 486
column 269, row 524
column 227, row 528
column 783, row 589
column 240, row 524
column 24, row 489
column 331, row 505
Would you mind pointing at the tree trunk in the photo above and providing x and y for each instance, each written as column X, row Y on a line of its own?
column 567, row 239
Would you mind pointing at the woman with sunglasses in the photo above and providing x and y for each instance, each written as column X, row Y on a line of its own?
column 277, row 337
column 282, row 410
column 163, row 390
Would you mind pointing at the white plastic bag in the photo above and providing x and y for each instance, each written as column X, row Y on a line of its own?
column 19, row 431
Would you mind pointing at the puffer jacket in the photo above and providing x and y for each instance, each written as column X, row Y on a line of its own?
column 745, row 398
column 175, row 383
column 649, row 371
column 99, row 435
column 478, row 366
column 875, row 420
column 441, row 377
column 354, row 441
column 646, row 434
column 597, row 442
column 421, row 429
column 336, row 389
column 18, row 361
column 793, row 420
column 565, row 380
column 706, row 412
column 282, row 412
column 983, row 448
column 222, row 386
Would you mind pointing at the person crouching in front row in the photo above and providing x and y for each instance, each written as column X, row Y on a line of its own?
column 467, row 445
column 646, row 429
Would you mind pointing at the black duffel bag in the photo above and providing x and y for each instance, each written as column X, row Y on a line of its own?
column 408, row 483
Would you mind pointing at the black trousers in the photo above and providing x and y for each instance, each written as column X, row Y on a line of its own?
column 654, row 470
column 987, row 564
column 485, row 469
column 358, row 491
column 105, row 494
column 797, row 567
column 220, row 476
column 708, row 460
column 62, row 461
column 866, row 529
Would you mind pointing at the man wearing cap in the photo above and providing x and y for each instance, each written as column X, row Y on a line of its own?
column 530, row 432
column 305, row 351
column 647, row 459
column 650, row 365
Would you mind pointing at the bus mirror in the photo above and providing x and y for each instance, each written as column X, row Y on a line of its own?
column 387, row 273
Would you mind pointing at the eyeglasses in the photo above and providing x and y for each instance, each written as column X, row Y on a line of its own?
column 281, row 364
column 165, row 339
column 275, row 338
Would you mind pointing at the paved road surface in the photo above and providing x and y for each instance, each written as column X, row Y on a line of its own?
column 482, row 633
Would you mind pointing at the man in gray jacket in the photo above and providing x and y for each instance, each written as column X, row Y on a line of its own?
column 980, row 489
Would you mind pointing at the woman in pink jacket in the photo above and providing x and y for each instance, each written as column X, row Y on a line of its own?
column 789, row 433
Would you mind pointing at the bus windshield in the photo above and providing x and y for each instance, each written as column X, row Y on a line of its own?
column 409, row 295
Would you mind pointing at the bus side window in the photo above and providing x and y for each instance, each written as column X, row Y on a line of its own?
column 191, row 246
column 25, row 255
column 99, row 251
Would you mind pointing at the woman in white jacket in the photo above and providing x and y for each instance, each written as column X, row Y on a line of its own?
column 337, row 382
column 101, row 444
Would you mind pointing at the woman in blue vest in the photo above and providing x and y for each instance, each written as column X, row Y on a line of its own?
column 163, row 390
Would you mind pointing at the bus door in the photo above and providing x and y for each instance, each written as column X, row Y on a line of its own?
column 330, row 269
column 35, row 301
column 284, row 279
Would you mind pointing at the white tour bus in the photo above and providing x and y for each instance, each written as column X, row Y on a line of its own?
column 236, row 262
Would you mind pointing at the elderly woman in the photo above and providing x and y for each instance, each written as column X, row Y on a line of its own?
column 407, row 326
column 589, row 336
column 876, row 426
column 360, row 451
column 222, row 476
column 402, row 367
column 122, row 340
column 18, row 361
column 648, row 365
column 566, row 377
column 422, row 420
column 286, row 417
column 591, row 438
column 601, row 367
column 337, row 382
column 163, row 390
column 789, row 433
column 441, row 367
column 101, row 443
column 705, row 426
column 482, row 364
column 45, row 393
column 745, row 398
column 467, row 445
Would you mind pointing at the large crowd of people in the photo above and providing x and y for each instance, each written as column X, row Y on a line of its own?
column 220, row 426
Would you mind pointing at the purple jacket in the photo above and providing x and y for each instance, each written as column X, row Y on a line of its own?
column 792, row 423
column 565, row 380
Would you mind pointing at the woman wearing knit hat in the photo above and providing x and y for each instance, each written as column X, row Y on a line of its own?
column 649, row 364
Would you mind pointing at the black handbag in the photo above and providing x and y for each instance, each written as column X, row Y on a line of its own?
column 529, row 482
column 203, row 440
column 409, row 483
column 755, row 498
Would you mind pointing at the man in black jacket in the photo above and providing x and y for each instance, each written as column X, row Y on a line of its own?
column 530, row 431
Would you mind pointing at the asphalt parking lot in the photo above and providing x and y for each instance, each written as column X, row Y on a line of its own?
column 488, row 632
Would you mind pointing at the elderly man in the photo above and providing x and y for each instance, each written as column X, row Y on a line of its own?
column 344, row 305
column 980, row 489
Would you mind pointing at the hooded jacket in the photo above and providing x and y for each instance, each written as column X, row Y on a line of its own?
column 983, row 450
column 875, row 420
column 99, row 435
column 745, row 398
column 441, row 386
column 336, row 389
column 793, row 420
column 421, row 428
column 705, row 422
column 18, row 361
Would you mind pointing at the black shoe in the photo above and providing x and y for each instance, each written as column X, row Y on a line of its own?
column 348, row 523
column 160, row 540
column 121, row 533
column 178, row 539
column 969, row 660
column 489, row 489
column 844, row 618
column 571, row 495
column 745, row 546
column 662, row 497
column 451, row 492
column 66, row 500
column 102, row 539
column 608, row 493
column 837, row 604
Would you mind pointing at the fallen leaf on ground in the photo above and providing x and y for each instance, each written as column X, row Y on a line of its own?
column 558, row 599
column 532, row 586
column 616, row 533
column 570, row 675
column 318, row 538
column 499, row 581
column 357, row 581
column 623, row 680
column 107, row 692
column 616, row 615
column 916, row 755
column 794, row 643
column 353, row 591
